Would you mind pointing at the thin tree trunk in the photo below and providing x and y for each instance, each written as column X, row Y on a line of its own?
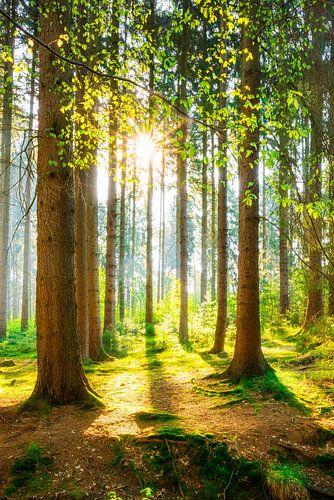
column 81, row 261
column 111, row 266
column 182, row 188
column 60, row 376
column 27, row 207
column 96, row 351
column 283, row 227
column 221, row 322
column 162, row 231
column 121, row 264
column 213, row 220
column 133, row 238
column 248, row 359
column 204, row 232
column 331, row 177
column 5, row 167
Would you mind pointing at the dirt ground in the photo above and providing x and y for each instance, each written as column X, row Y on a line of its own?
column 80, row 441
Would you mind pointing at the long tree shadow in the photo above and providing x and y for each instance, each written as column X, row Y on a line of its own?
column 162, row 391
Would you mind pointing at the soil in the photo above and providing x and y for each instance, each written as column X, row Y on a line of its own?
column 81, row 441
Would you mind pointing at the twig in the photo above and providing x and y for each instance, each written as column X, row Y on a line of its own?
column 174, row 469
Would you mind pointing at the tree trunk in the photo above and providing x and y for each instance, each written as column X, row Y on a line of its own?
column 213, row 221
column 315, row 305
column 248, row 359
column 81, row 239
column 110, row 286
column 110, row 291
column 27, row 203
column 283, row 227
column 133, row 239
column 182, row 188
column 204, row 232
column 162, row 231
column 5, row 166
column 331, row 177
column 60, row 373
column 221, row 322
column 96, row 351
column 121, row 264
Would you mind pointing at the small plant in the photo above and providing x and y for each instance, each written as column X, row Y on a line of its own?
column 147, row 493
column 286, row 482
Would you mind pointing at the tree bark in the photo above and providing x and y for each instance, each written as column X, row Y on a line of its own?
column 110, row 286
column 315, row 305
column 27, row 203
column 60, row 376
column 331, row 176
column 204, row 221
column 5, row 167
column 121, row 263
column 213, row 221
column 221, row 322
column 248, row 359
column 133, row 238
column 283, row 227
column 182, row 188
column 96, row 351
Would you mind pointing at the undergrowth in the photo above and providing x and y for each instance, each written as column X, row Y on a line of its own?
column 30, row 471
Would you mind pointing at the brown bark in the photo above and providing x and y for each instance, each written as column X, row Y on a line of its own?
column 121, row 263
column 110, row 291
column 60, row 373
column 162, row 232
column 27, row 207
column 283, row 227
column 248, row 359
column 204, row 221
column 110, row 285
column 331, row 175
column 213, row 221
column 96, row 351
column 81, row 180
column 182, row 188
column 221, row 322
column 5, row 167
column 315, row 305
column 133, row 238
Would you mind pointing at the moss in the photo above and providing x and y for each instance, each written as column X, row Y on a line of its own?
column 30, row 470
column 156, row 416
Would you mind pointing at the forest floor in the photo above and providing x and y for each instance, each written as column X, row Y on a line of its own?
column 156, row 395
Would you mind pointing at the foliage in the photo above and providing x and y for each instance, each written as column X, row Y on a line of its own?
column 286, row 482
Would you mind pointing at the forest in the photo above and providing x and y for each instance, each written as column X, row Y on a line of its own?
column 167, row 249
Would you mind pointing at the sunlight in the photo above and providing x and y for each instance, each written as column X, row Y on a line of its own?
column 144, row 147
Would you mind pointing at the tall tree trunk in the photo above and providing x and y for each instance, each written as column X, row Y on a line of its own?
column 60, row 376
column 121, row 264
column 133, row 238
column 162, row 231
column 213, row 220
column 81, row 239
column 248, row 359
column 221, row 322
column 204, row 232
column 182, row 187
column 331, row 176
column 111, row 266
column 5, row 166
column 283, row 227
column 27, row 203
column 149, row 218
column 315, row 305
column 110, row 286
column 96, row 351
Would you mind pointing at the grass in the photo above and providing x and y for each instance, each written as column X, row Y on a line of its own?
column 286, row 482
